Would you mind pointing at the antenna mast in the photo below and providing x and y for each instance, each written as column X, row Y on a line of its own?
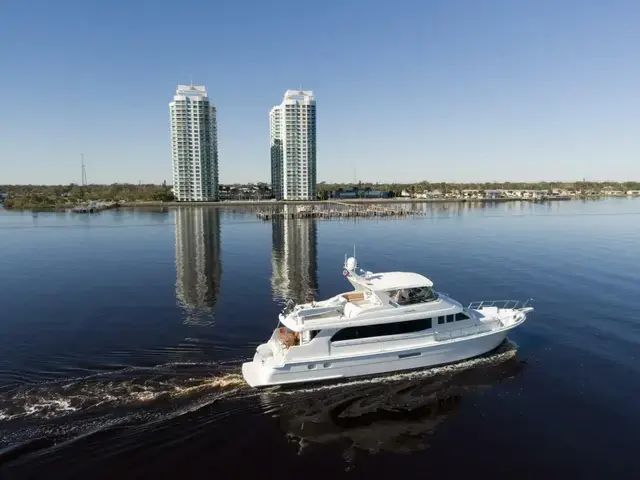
column 84, row 171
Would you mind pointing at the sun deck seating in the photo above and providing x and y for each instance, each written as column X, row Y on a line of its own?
column 354, row 297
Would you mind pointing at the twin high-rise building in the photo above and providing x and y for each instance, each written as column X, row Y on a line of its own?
column 194, row 146
column 293, row 146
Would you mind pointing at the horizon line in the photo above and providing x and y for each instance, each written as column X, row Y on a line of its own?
column 333, row 183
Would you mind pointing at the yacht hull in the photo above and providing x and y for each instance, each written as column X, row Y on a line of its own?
column 257, row 374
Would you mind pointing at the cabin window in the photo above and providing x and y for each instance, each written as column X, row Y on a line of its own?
column 382, row 330
column 441, row 320
column 313, row 334
column 450, row 318
column 461, row 316
column 411, row 296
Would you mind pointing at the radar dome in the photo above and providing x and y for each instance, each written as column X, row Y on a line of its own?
column 351, row 263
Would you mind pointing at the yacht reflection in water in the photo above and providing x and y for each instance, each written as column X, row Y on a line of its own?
column 198, row 265
column 394, row 414
column 294, row 257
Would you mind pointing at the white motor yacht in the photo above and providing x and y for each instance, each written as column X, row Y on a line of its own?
column 391, row 321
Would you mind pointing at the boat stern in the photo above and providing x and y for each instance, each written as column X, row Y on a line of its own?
column 253, row 374
column 258, row 372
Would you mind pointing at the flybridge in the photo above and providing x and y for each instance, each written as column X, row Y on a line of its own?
column 377, row 298
column 383, row 281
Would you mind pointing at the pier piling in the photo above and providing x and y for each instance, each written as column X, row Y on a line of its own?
column 342, row 210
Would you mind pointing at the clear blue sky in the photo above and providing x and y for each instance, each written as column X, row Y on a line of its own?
column 438, row 90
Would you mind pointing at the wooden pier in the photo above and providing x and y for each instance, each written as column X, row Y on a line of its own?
column 343, row 210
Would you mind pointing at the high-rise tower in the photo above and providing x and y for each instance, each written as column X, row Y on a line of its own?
column 293, row 146
column 194, row 145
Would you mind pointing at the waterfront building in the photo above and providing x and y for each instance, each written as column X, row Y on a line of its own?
column 194, row 145
column 293, row 146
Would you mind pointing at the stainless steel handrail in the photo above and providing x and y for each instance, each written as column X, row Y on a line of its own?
column 500, row 304
column 462, row 332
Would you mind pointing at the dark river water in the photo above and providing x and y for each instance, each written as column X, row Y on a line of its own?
column 122, row 335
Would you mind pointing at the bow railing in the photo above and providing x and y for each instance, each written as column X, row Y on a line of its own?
column 500, row 304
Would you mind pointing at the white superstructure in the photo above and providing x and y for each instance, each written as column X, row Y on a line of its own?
column 194, row 145
column 392, row 321
column 293, row 146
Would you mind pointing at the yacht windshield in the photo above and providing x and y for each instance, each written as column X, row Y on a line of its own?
column 409, row 296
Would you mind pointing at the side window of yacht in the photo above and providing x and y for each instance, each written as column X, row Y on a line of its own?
column 450, row 318
column 441, row 320
column 461, row 316
column 381, row 330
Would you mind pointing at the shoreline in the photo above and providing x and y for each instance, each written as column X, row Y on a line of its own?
column 359, row 201
column 347, row 201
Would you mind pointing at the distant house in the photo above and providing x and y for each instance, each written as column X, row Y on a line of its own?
column 471, row 193
column 244, row 192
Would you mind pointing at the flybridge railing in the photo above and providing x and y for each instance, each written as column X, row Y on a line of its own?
column 511, row 304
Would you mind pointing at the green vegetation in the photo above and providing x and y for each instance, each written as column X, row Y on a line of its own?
column 58, row 197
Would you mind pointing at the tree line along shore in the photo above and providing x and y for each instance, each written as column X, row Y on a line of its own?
column 63, row 197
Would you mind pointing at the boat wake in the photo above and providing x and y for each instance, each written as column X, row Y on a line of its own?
column 50, row 415
column 127, row 388
column 37, row 417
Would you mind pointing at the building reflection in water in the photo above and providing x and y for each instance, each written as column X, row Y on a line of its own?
column 198, row 264
column 294, row 257
column 395, row 414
